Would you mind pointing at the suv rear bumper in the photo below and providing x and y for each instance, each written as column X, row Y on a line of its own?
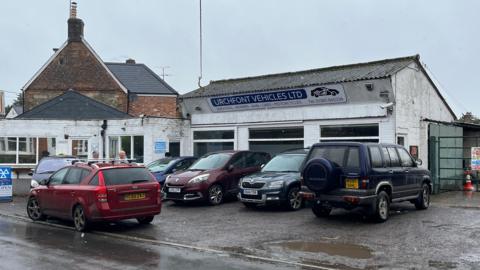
column 344, row 198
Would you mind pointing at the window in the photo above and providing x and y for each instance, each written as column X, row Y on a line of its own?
column 132, row 145
column 80, row 148
column 276, row 140
column 238, row 161
column 126, row 176
column 94, row 181
column 401, row 140
column 74, row 176
column 174, row 149
column 211, row 141
column 183, row 165
column 405, row 158
column 386, row 157
column 375, row 157
column 339, row 155
column 57, row 178
column 357, row 133
column 256, row 159
column 394, row 160
column 25, row 150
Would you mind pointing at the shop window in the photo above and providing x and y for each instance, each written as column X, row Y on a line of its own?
column 357, row 133
column 132, row 145
column 276, row 140
column 80, row 148
column 29, row 150
column 210, row 141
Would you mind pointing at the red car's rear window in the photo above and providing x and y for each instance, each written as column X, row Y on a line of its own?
column 122, row 176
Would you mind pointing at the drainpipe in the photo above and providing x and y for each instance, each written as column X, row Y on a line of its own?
column 102, row 133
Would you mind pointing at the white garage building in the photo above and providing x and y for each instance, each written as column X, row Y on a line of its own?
column 383, row 101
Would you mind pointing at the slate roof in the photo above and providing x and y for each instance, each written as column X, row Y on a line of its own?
column 328, row 75
column 73, row 106
column 140, row 79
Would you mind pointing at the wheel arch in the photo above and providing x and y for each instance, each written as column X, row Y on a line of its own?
column 385, row 186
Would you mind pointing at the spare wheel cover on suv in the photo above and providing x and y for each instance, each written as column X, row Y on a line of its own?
column 319, row 176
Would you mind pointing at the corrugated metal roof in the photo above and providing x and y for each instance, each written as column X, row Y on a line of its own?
column 73, row 106
column 140, row 79
column 328, row 75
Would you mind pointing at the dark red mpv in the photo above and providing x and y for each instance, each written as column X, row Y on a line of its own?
column 88, row 193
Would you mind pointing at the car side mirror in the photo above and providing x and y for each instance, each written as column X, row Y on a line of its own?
column 31, row 172
column 230, row 167
column 419, row 162
column 43, row 182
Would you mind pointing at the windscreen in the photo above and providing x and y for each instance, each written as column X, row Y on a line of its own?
column 341, row 156
column 284, row 163
column 210, row 162
column 123, row 176
column 52, row 165
column 160, row 165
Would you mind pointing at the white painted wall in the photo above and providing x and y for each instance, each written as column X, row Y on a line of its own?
column 417, row 99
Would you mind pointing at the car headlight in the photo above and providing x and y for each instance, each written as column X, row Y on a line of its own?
column 34, row 184
column 276, row 184
column 199, row 179
column 168, row 178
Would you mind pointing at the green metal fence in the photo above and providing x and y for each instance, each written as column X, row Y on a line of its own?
column 449, row 159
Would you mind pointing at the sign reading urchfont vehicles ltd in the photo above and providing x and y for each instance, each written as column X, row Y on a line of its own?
column 316, row 95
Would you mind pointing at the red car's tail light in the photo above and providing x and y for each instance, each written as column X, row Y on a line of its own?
column 102, row 194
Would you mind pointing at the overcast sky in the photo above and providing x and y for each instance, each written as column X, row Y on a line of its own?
column 251, row 37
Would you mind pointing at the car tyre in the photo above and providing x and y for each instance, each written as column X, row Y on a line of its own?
column 321, row 210
column 423, row 200
column 145, row 220
column 79, row 219
column 34, row 211
column 382, row 207
column 215, row 194
column 294, row 199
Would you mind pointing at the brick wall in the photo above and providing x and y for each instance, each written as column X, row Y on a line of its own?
column 162, row 106
column 75, row 67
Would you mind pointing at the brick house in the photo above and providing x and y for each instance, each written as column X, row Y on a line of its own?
column 128, row 87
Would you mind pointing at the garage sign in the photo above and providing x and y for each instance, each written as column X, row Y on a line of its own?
column 475, row 158
column 6, row 190
column 317, row 95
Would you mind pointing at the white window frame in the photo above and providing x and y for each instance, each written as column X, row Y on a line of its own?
column 234, row 139
column 119, row 144
column 28, row 148
column 350, row 138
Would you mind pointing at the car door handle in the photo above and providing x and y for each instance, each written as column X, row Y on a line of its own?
column 406, row 171
column 391, row 171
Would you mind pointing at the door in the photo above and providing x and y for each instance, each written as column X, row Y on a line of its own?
column 414, row 179
column 239, row 170
column 48, row 200
column 67, row 192
column 397, row 172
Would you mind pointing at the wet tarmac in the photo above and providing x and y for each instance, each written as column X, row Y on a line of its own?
column 34, row 246
column 443, row 237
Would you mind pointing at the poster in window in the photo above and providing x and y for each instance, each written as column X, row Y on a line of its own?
column 475, row 158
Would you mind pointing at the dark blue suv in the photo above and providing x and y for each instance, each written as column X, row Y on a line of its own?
column 368, row 175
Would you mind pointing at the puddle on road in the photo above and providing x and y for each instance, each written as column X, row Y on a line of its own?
column 334, row 249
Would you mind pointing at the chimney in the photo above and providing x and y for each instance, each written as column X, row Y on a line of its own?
column 130, row 61
column 75, row 25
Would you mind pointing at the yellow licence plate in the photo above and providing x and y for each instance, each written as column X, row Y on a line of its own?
column 351, row 183
column 135, row 196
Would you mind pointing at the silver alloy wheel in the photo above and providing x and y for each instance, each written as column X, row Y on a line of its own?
column 383, row 207
column 426, row 195
column 216, row 194
column 34, row 209
column 79, row 218
column 295, row 199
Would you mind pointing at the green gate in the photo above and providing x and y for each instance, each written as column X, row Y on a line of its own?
column 449, row 159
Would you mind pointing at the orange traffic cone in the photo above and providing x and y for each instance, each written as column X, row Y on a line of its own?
column 468, row 184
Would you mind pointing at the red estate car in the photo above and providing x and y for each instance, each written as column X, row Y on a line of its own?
column 213, row 176
column 95, row 192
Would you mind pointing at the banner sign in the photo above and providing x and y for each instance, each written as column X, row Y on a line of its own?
column 317, row 95
column 475, row 158
column 6, row 190
column 160, row 147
